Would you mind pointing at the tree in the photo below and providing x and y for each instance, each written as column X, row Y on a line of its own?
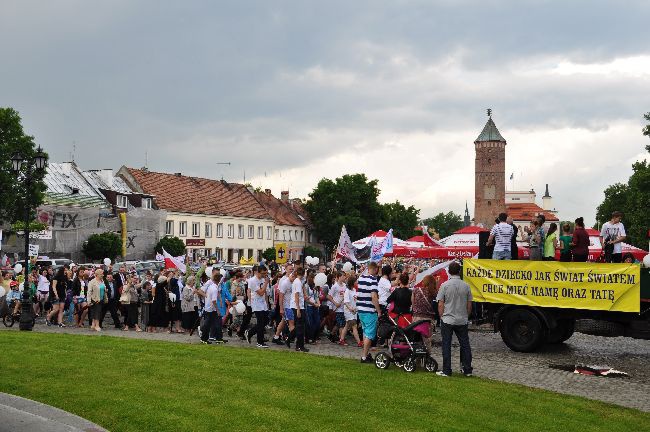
column 631, row 198
column 173, row 245
column 401, row 219
column 313, row 252
column 445, row 224
column 646, row 129
column 350, row 200
column 12, row 188
column 104, row 245
column 269, row 254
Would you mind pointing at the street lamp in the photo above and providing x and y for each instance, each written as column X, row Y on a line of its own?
column 37, row 162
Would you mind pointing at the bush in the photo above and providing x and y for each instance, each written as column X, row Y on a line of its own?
column 269, row 254
column 104, row 245
column 173, row 245
column 313, row 252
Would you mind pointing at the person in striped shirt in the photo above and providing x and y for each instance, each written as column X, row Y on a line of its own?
column 368, row 308
column 501, row 236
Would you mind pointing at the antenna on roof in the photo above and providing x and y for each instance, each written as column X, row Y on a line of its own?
column 489, row 112
column 146, row 158
column 222, row 163
column 74, row 150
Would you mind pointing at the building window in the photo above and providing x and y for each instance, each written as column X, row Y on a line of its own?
column 240, row 232
column 231, row 231
column 277, row 233
column 251, row 231
column 302, row 235
column 122, row 202
column 219, row 230
column 259, row 255
column 207, row 252
column 296, row 235
column 289, row 235
column 260, row 232
column 182, row 229
column 147, row 203
column 268, row 232
column 208, row 230
column 250, row 254
column 169, row 228
column 309, row 238
column 196, row 229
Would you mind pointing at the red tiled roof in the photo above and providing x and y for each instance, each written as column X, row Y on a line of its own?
column 527, row 211
column 281, row 212
column 198, row 195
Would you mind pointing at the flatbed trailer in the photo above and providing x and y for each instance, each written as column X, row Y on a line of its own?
column 526, row 328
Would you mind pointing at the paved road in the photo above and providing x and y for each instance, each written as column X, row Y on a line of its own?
column 493, row 360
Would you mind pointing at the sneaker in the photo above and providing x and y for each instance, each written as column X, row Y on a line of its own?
column 220, row 341
column 343, row 343
column 47, row 321
column 262, row 345
column 248, row 336
column 468, row 375
column 278, row 341
column 212, row 339
column 62, row 325
column 288, row 343
column 442, row 374
column 206, row 342
column 368, row 359
column 359, row 344
column 305, row 350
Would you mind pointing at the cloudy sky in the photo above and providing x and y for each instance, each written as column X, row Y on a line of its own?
column 291, row 92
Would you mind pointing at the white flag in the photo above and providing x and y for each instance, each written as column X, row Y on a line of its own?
column 379, row 249
column 345, row 247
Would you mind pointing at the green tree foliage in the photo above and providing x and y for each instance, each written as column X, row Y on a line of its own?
column 313, row 252
column 445, row 224
column 269, row 254
column 646, row 129
column 12, row 188
column 104, row 245
column 173, row 245
column 632, row 198
column 350, row 200
column 401, row 219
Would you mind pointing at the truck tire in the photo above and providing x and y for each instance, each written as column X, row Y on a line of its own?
column 600, row 328
column 522, row 330
column 563, row 331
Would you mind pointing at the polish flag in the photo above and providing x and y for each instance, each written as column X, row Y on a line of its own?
column 428, row 240
column 171, row 262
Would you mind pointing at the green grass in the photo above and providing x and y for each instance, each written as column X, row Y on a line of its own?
column 140, row 385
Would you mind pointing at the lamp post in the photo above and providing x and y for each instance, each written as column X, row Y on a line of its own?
column 38, row 162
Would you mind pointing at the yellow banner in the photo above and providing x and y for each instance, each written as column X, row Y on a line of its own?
column 610, row 287
column 281, row 253
column 123, row 221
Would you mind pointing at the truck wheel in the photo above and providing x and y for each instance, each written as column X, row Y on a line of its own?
column 522, row 330
column 600, row 328
column 563, row 331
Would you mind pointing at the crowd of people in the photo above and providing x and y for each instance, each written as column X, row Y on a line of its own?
column 543, row 244
column 292, row 305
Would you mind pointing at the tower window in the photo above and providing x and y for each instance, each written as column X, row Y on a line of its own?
column 489, row 203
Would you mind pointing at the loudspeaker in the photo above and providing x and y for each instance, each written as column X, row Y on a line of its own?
column 484, row 252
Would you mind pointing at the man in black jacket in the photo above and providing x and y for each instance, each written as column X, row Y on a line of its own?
column 113, row 301
column 514, row 250
column 119, row 279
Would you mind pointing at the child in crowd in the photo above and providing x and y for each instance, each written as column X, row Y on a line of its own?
column 350, row 311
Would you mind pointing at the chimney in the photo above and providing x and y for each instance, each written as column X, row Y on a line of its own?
column 178, row 174
column 268, row 191
column 284, row 196
column 547, row 201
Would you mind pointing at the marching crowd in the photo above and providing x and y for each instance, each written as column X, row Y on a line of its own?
column 291, row 305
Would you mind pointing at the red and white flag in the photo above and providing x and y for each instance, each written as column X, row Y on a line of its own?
column 345, row 248
column 427, row 239
column 172, row 262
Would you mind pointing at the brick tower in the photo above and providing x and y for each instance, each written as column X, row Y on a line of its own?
column 489, row 174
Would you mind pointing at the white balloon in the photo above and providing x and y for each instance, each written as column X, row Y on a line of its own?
column 308, row 260
column 646, row 261
column 18, row 268
column 107, row 261
column 315, row 260
column 240, row 307
column 347, row 267
column 320, row 279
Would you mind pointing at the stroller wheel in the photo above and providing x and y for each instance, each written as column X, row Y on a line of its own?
column 430, row 364
column 409, row 365
column 382, row 361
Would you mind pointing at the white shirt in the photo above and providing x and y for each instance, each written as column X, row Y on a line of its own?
column 350, row 299
column 43, row 283
column 502, row 233
column 258, row 302
column 211, row 294
column 337, row 292
column 296, row 287
column 285, row 290
column 613, row 231
column 384, row 290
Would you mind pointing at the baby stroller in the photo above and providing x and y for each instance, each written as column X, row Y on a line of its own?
column 405, row 346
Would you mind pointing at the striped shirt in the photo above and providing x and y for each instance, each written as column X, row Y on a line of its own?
column 502, row 233
column 367, row 285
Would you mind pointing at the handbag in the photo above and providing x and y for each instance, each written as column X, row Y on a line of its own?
column 125, row 298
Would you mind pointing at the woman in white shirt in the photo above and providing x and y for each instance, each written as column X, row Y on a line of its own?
column 350, row 312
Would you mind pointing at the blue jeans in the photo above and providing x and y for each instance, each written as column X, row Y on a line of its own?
column 447, row 331
column 313, row 322
column 501, row 255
